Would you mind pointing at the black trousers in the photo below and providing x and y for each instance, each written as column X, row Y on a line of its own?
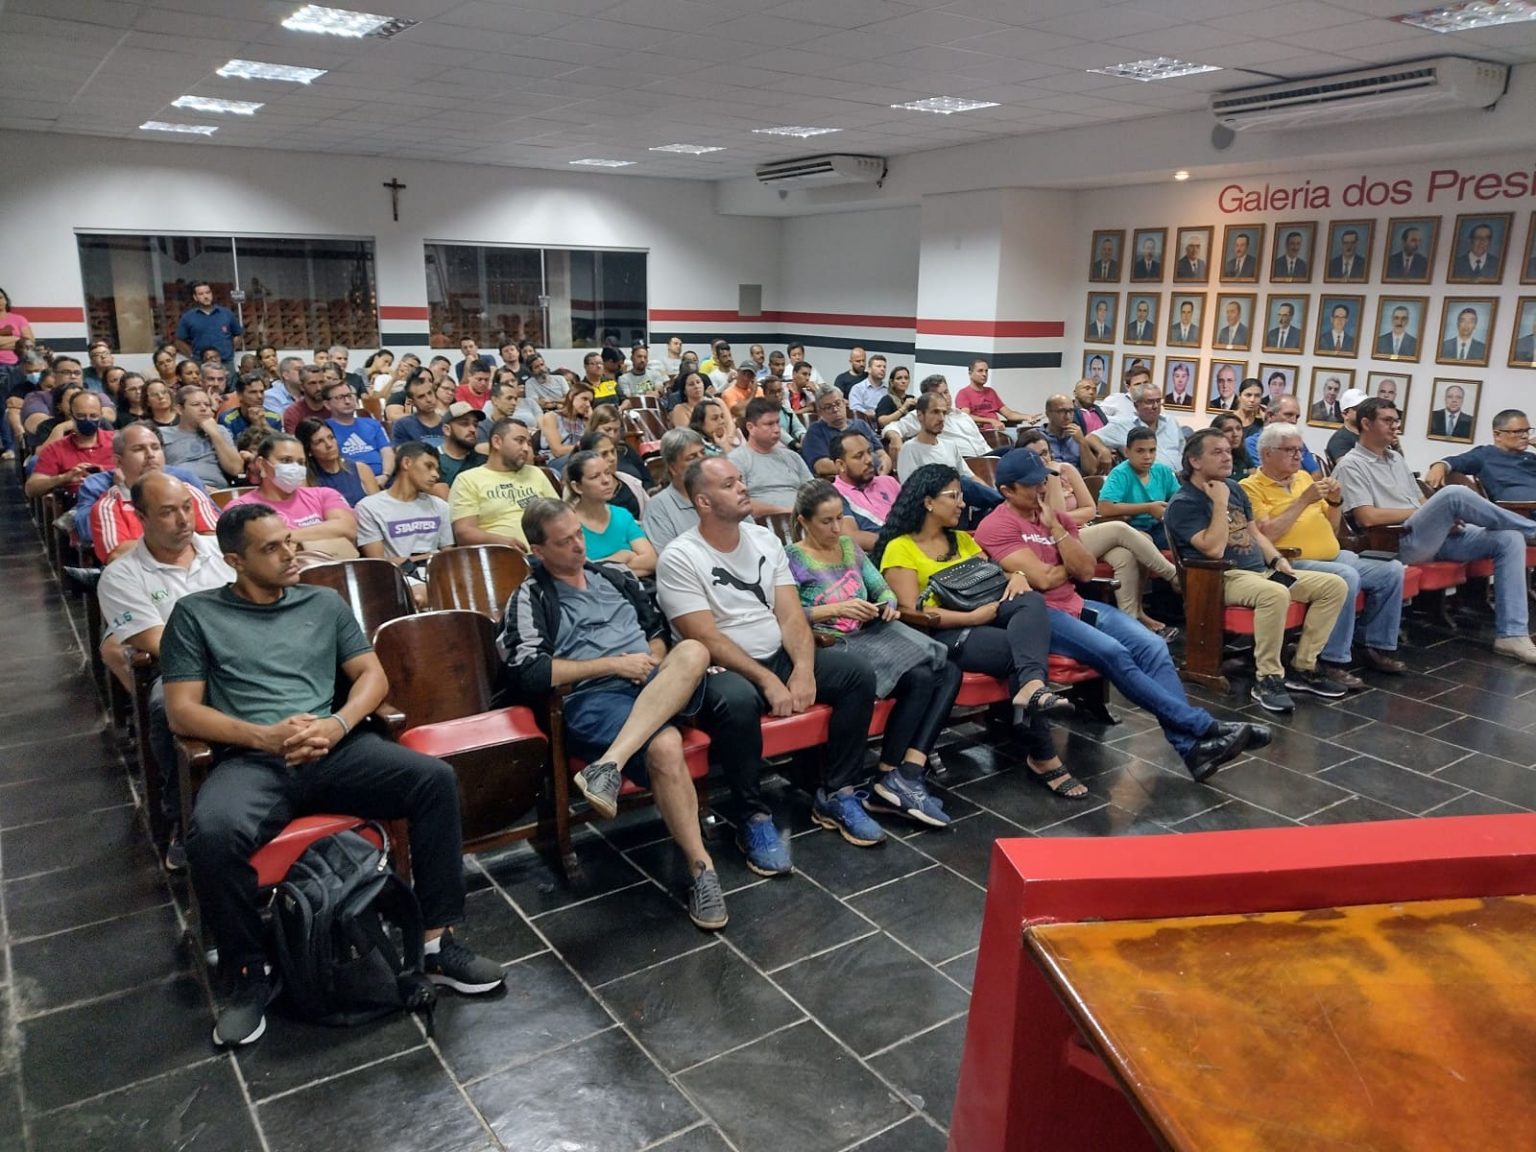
column 923, row 701
column 733, row 707
column 1014, row 646
column 250, row 796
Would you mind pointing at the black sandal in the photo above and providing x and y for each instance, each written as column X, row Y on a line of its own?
column 1042, row 702
column 1049, row 781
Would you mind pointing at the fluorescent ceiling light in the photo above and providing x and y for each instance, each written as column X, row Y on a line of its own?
column 208, row 104
column 690, row 149
column 1181, row 174
column 795, row 130
column 255, row 70
column 945, row 105
column 1157, row 68
column 186, row 129
column 595, row 163
column 341, row 22
column 1472, row 14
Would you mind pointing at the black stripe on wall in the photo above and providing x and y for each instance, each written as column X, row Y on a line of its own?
column 777, row 340
column 65, row 343
column 995, row 359
column 419, row 339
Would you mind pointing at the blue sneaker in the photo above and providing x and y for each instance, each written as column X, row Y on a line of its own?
column 766, row 852
column 842, row 811
column 910, row 798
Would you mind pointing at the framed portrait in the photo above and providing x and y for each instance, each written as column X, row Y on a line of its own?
column 1278, row 380
column 1285, row 323
column 1522, row 341
column 1181, row 375
column 1148, row 249
column 1453, row 414
column 1241, row 246
column 1466, row 327
column 1528, row 269
column 1409, row 253
column 1193, row 262
column 1141, row 317
column 1328, row 384
column 1186, row 319
column 1100, row 368
column 1291, row 261
column 1338, row 325
column 1099, row 320
column 1478, row 248
column 1106, row 255
column 1400, row 328
column 1234, row 322
column 1222, row 380
column 1129, row 360
column 1349, row 251
column 1391, row 386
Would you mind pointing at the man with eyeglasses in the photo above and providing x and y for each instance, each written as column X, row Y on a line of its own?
column 1297, row 511
column 1506, row 468
column 1453, row 524
column 1148, row 399
column 831, row 420
column 1065, row 436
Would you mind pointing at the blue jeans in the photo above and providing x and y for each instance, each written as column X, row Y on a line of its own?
column 1135, row 661
column 1383, row 584
column 1488, row 531
column 979, row 495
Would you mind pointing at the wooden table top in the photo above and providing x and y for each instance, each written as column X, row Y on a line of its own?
column 1376, row 1028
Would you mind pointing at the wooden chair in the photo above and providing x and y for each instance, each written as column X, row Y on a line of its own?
column 146, row 670
column 995, row 437
column 374, row 589
column 784, row 525
column 442, row 669
column 222, row 496
column 1209, row 620
column 984, row 468
column 477, row 577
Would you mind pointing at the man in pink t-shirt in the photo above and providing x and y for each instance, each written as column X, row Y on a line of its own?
column 981, row 401
column 868, row 494
column 320, row 519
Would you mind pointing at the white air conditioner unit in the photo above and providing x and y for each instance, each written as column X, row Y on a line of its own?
column 1418, row 87
column 836, row 168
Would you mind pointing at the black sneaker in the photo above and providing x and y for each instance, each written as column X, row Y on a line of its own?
column 1315, row 682
column 460, row 969
column 1270, row 693
column 176, row 852
column 706, row 903
column 600, row 784
column 244, row 1016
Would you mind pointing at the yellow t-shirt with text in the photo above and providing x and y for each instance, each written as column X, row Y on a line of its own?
column 496, row 499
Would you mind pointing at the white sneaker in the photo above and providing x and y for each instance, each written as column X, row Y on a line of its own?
column 1520, row 647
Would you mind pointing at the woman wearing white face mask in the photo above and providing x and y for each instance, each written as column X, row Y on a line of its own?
column 321, row 522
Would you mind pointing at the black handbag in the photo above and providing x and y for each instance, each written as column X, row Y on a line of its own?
column 968, row 585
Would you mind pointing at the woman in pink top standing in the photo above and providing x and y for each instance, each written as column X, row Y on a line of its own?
column 14, row 328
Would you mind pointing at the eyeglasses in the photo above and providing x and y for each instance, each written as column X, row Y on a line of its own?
column 1514, row 431
column 950, row 494
column 1288, row 451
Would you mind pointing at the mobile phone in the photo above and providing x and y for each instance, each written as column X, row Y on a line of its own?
column 1377, row 554
column 1284, row 579
column 1089, row 615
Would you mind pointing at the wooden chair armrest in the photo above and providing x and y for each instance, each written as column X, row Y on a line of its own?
column 1290, row 553
column 1384, row 537
column 1205, row 564
column 822, row 640
column 194, row 760
column 390, row 719
column 1519, row 507
column 924, row 620
column 1099, row 588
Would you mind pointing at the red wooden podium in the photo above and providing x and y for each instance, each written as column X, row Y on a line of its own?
column 1029, row 1083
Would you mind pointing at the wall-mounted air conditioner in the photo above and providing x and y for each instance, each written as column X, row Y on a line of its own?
column 836, row 168
column 1418, row 87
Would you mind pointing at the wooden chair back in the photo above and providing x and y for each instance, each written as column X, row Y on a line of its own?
column 556, row 481
column 995, row 437
column 646, row 421
column 374, row 589
column 373, row 404
column 441, row 664
column 476, row 577
column 784, row 525
column 1095, row 485
column 222, row 496
column 984, row 468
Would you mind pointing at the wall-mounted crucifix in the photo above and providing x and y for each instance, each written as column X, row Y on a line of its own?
column 395, row 188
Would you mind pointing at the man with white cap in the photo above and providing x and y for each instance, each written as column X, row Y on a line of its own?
column 1349, row 434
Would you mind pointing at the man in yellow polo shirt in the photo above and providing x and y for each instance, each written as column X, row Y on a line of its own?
column 486, row 503
column 1295, row 511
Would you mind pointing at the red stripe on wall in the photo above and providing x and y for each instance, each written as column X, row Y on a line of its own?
column 853, row 321
column 1039, row 329
column 701, row 316
column 54, row 315
column 397, row 312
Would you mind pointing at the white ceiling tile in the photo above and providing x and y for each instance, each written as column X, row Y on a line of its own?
column 1101, row 24
column 1022, row 13
column 609, row 34
column 1288, row 19
column 515, row 18
column 937, row 27
column 841, row 14
column 676, row 15
column 1020, row 43
column 1186, row 42
column 757, row 32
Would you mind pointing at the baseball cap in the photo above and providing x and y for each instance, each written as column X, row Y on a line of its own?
column 1021, row 466
column 464, row 408
column 1352, row 398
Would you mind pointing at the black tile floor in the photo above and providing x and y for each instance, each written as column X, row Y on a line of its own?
column 829, row 1015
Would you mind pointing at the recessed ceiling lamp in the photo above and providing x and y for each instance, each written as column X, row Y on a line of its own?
column 1181, row 175
column 184, row 129
column 945, row 105
column 208, row 104
column 342, row 22
column 595, row 163
column 1470, row 15
column 255, row 70
column 689, row 149
column 1157, row 68
column 795, row 130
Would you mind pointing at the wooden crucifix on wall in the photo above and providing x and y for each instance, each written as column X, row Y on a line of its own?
column 395, row 188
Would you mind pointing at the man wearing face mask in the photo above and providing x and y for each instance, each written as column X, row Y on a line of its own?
column 106, row 519
column 67, row 461
column 321, row 520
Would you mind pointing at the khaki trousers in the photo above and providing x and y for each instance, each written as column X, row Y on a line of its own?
column 1322, row 592
column 1127, row 550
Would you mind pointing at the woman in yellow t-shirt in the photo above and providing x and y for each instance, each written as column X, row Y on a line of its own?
column 1010, row 638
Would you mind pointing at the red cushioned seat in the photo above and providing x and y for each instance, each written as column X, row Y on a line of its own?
column 1240, row 620
column 977, row 690
column 470, row 733
column 1065, row 670
column 1435, row 575
column 1530, row 555
column 1359, row 601
column 1480, row 569
column 273, row 859
column 695, row 756
column 1103, row 571
column 1411, row 577
column 785, row 734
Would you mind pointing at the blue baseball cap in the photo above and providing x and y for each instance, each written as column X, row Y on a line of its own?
column 1021, row 466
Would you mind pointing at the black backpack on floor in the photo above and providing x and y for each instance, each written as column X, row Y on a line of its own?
column 347, row 933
